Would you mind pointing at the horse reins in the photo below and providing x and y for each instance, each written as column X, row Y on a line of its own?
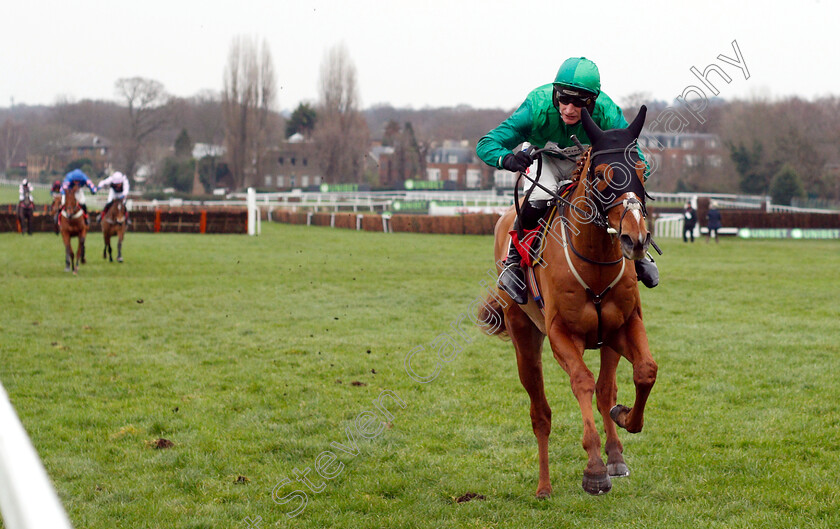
column 598, row 221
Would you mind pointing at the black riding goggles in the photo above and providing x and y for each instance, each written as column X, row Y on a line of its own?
column 564, row 99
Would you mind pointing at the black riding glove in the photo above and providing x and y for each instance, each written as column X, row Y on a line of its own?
column 518, row 162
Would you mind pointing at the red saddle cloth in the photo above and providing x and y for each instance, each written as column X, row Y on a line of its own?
column 529, row 245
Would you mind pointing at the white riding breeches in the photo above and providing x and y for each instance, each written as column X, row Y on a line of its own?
column 554, row 172
column 80, row 197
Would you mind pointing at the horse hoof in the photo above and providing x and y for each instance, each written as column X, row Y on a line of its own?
column 119, row 259
column 617, row 470
column 598, row 484
column 543, row 493
column 619, row 414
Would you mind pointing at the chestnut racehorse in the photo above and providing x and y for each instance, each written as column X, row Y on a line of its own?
column 591, row 300
column 72, row 224
column 113, row 223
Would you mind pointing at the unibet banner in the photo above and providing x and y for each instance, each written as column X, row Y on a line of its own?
column 788, row 233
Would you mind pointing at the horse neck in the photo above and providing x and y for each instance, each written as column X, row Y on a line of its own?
column 586, row 236
column 114, row 211
column 70, row 199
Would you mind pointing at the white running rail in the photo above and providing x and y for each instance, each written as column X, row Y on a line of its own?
column 27, row 498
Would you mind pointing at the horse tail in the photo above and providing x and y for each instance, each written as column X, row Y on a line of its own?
column 491, row 318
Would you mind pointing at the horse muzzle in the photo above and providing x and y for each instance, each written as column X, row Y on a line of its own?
column 635, row 248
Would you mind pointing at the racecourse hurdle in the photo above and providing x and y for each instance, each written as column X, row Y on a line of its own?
column 27, row 498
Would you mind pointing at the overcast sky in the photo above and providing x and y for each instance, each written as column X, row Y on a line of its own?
column 486, row 54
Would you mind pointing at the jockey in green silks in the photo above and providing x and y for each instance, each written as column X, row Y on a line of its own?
column 551, row 114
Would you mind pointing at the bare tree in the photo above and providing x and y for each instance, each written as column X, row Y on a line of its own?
column 341, row 133
column 633, row 102
column 12, row 142
column 209, row 122
column 147, row 103
column 247, row 100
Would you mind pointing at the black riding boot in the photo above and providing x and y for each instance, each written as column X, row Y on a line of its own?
column 512, row 278
column 647, row 272
column 87, row 218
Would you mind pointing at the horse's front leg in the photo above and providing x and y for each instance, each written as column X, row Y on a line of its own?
column 119, row 246
column 69, row 257
column 81, row 254
column 527, row 340
column 568, row 351
column 605, row 395
column 632, row 343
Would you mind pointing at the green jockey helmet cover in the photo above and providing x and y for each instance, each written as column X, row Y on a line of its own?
column 578, row 73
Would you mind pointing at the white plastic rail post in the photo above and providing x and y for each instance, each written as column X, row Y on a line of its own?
column 252, row 211
column 27, row 498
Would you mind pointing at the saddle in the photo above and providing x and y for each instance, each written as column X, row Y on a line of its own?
column 531, row 246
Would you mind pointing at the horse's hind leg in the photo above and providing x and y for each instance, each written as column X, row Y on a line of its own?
column 569, row 354
column 107, row 250
column 605, row 395
column 633, row 345
column 527, row 340
column 69, row 257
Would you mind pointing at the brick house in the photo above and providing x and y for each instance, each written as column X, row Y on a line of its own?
column 294, row 164
column 682, row 156
column 457, row 162
column 75, row 146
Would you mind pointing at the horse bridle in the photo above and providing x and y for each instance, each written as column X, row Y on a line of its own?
column 633, row 203
column 630, row 204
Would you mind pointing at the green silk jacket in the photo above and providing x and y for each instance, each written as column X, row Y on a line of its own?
column 537, row 121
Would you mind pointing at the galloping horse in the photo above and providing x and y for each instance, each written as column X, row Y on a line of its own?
column 590, row 300
column 25, row 210
column 72, row 224
column 113, row 223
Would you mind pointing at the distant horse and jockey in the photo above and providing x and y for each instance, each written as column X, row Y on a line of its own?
column 114, row 218
column 113, row 223
column 584, row 296
column 25, row 208
column 72, row 222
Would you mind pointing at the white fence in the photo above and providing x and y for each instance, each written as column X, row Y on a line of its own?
column 27, row 498
column 669, row 226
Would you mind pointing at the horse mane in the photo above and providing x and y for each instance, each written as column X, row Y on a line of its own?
column 582, row 164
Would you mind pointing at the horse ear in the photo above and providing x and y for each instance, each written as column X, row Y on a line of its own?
column 638, row 123
column 590, row 127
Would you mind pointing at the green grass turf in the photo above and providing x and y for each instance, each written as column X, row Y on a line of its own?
column 243, row 352
column 9, row 195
